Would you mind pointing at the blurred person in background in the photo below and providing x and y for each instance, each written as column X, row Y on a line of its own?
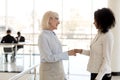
column 8, row 39
column 19, row 39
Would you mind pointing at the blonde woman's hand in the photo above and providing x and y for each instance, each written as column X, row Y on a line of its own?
column 78, row 51
column 71, row 53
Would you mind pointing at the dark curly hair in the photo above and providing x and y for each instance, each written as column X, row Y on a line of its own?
column 105, row 19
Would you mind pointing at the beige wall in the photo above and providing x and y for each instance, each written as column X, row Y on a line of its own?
column 115, row 6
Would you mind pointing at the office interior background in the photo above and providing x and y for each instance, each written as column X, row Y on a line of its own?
column 76, row 30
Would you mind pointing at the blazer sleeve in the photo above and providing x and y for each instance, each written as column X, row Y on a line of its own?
column 22, row 39
column 86, row 52
column 2, row 40
column 14, row 40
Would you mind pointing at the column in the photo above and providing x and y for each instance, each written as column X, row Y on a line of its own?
column 115, row 6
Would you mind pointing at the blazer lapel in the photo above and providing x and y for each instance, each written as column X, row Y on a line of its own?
column 95, row 39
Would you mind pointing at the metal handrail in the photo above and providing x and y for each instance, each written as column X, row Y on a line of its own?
column 16, row 77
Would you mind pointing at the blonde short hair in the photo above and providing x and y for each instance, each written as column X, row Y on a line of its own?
column 45, row 19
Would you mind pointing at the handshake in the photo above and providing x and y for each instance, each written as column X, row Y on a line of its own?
column 74, row 51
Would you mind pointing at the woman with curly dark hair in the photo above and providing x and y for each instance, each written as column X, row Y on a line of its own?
column 100, row 52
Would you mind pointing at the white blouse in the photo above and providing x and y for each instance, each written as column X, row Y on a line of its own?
column 50, row 47
column 100, row 54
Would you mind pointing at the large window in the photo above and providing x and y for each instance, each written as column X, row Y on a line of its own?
column 76, row 29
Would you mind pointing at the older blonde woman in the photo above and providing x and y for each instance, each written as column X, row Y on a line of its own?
column 51, row 55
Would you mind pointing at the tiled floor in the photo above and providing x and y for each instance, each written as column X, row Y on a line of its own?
column 22, row 63
column 6, row 76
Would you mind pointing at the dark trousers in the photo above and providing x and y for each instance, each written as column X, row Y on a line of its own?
column 105, row 77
